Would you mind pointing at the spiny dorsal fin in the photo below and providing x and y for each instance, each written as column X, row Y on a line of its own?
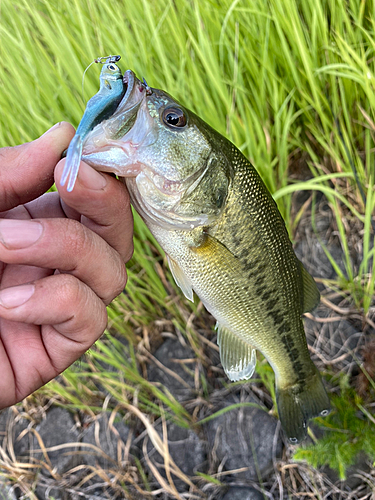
column 237, row 357
column 311, row 294
column 180, row 278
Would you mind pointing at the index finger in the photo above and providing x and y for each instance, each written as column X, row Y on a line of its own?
column 104, row 205
column 26, row 171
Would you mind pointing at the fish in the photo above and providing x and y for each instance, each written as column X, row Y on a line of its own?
column 223, row 236
column 99, row 107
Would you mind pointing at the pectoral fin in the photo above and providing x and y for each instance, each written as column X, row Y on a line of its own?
column 180, row 278
column 311, row 294
column 237, row 357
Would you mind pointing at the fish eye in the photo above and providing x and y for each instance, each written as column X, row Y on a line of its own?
column 174, row 117
column 112, row 67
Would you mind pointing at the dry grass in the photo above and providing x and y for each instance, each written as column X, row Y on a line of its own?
column 132, row 476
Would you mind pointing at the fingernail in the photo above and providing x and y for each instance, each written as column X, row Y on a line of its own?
column 90, row 178
column 15, row 234
column 52, row 128
column 16, row 295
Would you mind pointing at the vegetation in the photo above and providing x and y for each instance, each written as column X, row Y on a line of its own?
column 292, row 84
column 350, row 431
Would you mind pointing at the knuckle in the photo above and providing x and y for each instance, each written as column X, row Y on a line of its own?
column 102, row 320
column 127, row 254
column 91, row 326
column 122, row 278
column 118, row 282
column 95, row 324
column 88, row 318
column 70, row 290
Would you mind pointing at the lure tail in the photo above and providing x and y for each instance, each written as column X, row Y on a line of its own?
column 73, row 159
column 299, row 403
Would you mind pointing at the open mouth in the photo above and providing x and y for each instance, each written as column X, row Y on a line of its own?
column 131, row 83
column 123, row 118
column 109, row 115
column 112, row 144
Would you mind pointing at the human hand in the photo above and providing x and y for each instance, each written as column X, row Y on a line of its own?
column 62, row 260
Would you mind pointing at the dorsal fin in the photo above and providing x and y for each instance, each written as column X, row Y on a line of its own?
column 237, row 357
column 311, row 294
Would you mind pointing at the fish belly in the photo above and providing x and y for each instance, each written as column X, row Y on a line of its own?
column 246, row 300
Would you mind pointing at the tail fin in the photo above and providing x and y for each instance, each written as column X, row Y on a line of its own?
column 299, row 403
column 73, row 159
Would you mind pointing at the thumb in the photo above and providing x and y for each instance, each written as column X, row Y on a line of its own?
column 26, row 171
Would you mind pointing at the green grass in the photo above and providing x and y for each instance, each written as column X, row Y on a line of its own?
column 291, row 83
column 349, row 429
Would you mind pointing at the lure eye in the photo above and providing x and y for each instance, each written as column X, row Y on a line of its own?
column 174, row 117
column 112, row 67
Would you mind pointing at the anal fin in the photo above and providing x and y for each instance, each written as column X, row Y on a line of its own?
column 237, row 357
column 181, row 279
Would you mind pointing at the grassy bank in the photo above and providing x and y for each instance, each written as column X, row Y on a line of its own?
column 291, row 83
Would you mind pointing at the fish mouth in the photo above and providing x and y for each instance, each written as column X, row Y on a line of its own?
column 112, row 132
column 92, row 143
column 129, row 80
column 124, row 117
column 113, row 145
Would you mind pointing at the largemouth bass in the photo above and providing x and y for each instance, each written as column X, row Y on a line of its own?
column 224, row 238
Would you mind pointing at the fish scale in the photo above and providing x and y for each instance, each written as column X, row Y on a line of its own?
column 252, row 231
column 271, row 229
column 224, row 238
column 244, row 310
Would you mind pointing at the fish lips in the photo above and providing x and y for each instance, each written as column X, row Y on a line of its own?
column 125, row 114
column 135, row 89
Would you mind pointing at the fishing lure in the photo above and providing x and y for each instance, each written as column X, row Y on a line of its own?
column 101, row 106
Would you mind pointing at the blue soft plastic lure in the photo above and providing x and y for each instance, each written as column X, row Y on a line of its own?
column 101, row 106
